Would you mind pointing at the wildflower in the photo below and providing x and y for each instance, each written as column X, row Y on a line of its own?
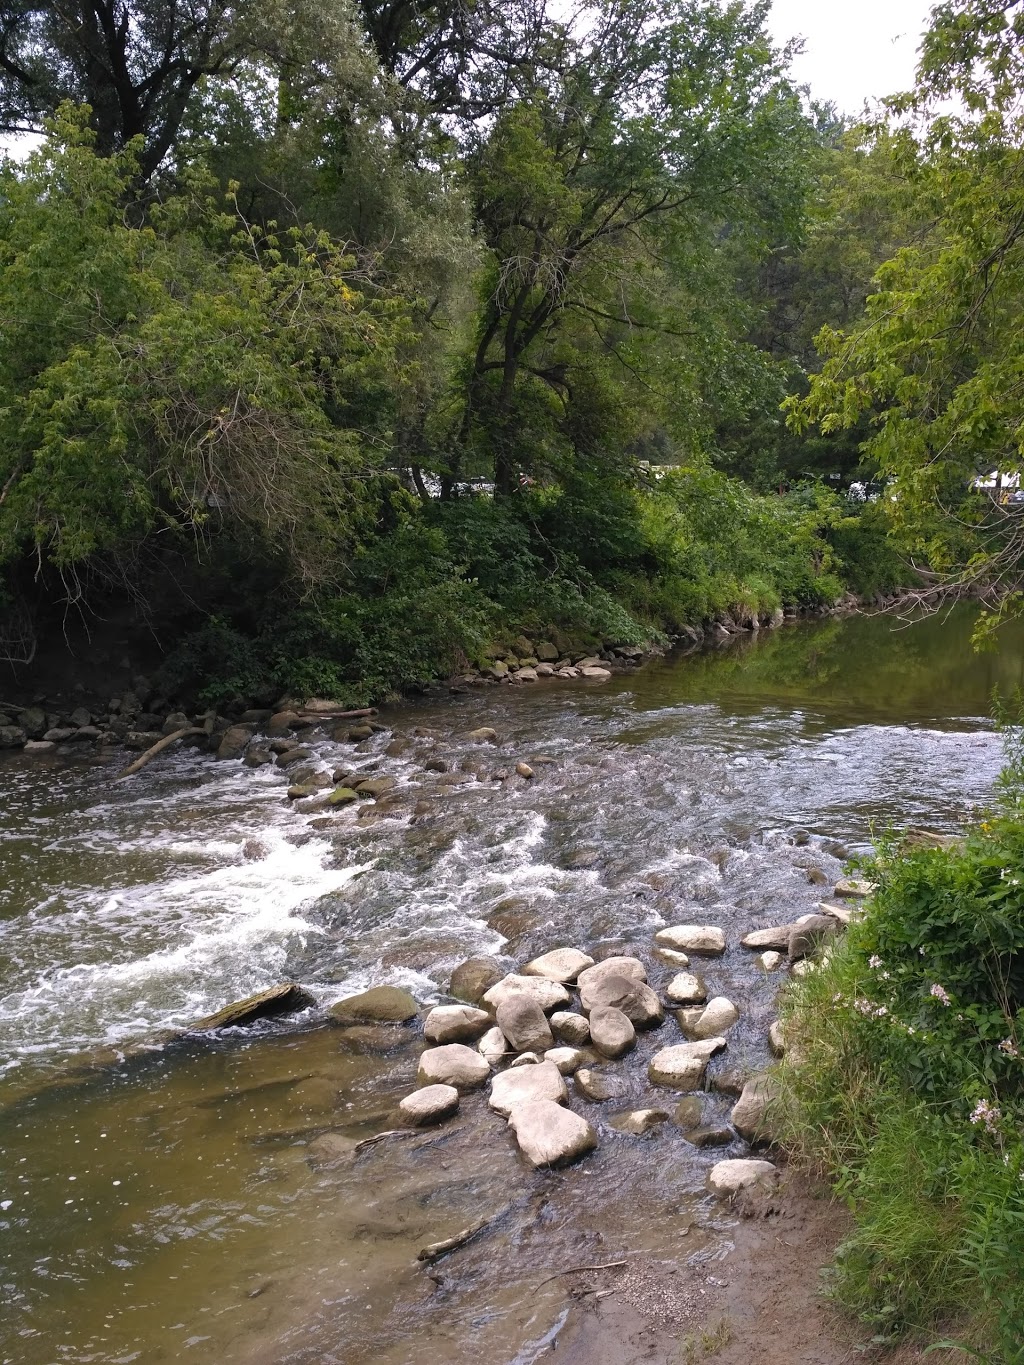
column 1009, row 1047
column 987, row 1114
column 874, row 961
column 940, row 994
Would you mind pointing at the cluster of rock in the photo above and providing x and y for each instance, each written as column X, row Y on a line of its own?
column 527, row 662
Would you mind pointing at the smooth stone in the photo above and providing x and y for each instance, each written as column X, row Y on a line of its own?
column 284, row 999
column 690, row 1112
column 455, row 1024
column 686, row 989
column 633, row 998
column 561, row 964
column 452, row 1064
column 432, row 1104
column 380, row 1005
column 549, row 1135
column 611, row 1031
column 673, row 958
column 776, row 938
column 771, row 961
column 598, row 1086
column 717, row 1017
column 729, row 1082
column 571, row 1027
column 593, row 671
column 710, row 1136
column 682, row 1066
column 526, row 1059
column 473, row 978
column 612, row 966
column 777, row 1038
column 524, row 1024
column 854, row 888
column 493, row 1046
column 750, row 1112
column 640, row 1122
column 483, row 734
column 524, row 1084
column 729, row 1177
column 548, row 994
column 704, row 939
column 567, row 1059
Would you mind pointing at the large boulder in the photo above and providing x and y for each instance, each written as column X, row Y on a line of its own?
column 549, row 1135
column 561, row 964
column 455, row 1024
column 523, row 1084
column 472, row 978
column 750, row 1112
column 285, row 999
column 33, row 721
column 571, row 1027
column 686, row 989
column 611, row 1031
column 453, row 1064
column 729, row 1177
column 612, row 966
column 717, row 1017
column 524, row 1024
column 682, row 1066
column 233, row 741
column 634, row 998
column 432, row 1104
column 549, row 995
column 705, row 940
column 380, row 1005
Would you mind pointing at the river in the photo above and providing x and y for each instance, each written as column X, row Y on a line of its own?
column 186, row 1203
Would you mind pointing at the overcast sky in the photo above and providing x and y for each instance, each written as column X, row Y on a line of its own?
column 854, row 49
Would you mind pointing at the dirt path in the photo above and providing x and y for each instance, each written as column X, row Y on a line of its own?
column 762, row 1303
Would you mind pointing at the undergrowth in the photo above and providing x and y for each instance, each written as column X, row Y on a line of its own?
column 905, row 1083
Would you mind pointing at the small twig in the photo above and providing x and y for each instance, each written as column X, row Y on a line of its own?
column 380, row 1137
column 436, row 1250
column 152, row 752
column 578, row 1270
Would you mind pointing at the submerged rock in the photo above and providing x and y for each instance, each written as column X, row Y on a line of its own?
column 729, row 1177
column 431, row 1104
column 380, row 1005
column 285, row 999
column 549, row 1135
column 524, row 1024
column 611, row 1031
column 561, row 964
column 714, row 1135
column 523, row 1084
column 472, row 978
column 455, row 1024
column 452, row 1064
column 703, row 939
column 640, row 1122
column 598, row 1085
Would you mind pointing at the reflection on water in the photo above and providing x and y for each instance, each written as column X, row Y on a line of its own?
column 205, row 1202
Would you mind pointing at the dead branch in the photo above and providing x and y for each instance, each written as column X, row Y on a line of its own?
column 579, row 1269
column 436, row 1250
column 380, row 1137
column 154, row 749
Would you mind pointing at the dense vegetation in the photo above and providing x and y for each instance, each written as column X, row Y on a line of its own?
column 908, row 1087
column 343, row 341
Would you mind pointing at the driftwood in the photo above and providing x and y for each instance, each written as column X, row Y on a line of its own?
column 380, row 1137
column 579, row 1269
column 156, row 748
column 305, row 713
column 436, row 1250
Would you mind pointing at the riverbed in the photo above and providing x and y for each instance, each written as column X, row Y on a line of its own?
column 200, row 1200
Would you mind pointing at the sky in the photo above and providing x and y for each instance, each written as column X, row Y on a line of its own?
column 854, row 50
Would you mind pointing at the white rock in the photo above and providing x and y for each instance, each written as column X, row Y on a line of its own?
column 429, row 1105
column 611, row 1031
column 777, row 1038
column 493, row 1046
column 548, row 994
column 703, row 939
column 612, row 966
column 592, row 671
column 673, row 958
column 640, row 1121
column 571, row 1026
column 548, row 1135
column 716, row 1018
column 524, row 1083
column 453, row 1064
column 561, row 964
column 526, row 1059
column 845, row 914
column 854, row 888
column 455, row 1024
column 567, row 1059
column 776, row 937
column 750, row 1112
column 681, row 1067
column 771, row 961
column 729, row 1177
column 802, row 968
column 686, row 989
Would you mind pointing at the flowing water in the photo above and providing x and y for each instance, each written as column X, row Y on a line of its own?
column 201, row 1200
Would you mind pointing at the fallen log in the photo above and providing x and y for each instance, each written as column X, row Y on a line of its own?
column 158, row 747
